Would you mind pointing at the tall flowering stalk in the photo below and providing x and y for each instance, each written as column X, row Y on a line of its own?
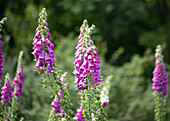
column 87, row 77
column 61, row 105
column 43, row 53
column 6, row 90
column 6, row 97
column 11, row 106
column 44, row 57
column 160, row 85
column 17, row 84
column 87, row 62
column 18, row 81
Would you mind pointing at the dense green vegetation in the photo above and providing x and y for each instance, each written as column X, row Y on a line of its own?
column 127, row 32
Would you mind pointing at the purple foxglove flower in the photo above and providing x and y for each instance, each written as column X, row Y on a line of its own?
column 63, row 114
column 61, row 94
column 44, row 41
column 79, row 116
column 105, row 103
column 21, row 74
column 15, row 80
column 41, row 57
column 48, row 59
column 17, row 99
column 50, row 51
column 43, row 52
column 19, row 82
column 38, row 64
column 160, row 76
column 56, row 104
column 6, row 90
column 48, row 68
column 87, row 63
column 1, row 60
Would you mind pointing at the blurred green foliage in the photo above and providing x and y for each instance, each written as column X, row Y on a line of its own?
column 126, row 34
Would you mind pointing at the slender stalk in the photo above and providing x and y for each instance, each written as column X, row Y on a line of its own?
column 5, row 111
column 51, row 116
column 159, row 107
column 55, row 85
column 14, row 103
column 89, row 95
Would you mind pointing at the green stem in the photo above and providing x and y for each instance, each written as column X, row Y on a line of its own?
column 51, row 116
column 54, row 91
column 12, row 108
column 5, row 112
column 14, row 103
column 90, row 108
column 159, row 106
